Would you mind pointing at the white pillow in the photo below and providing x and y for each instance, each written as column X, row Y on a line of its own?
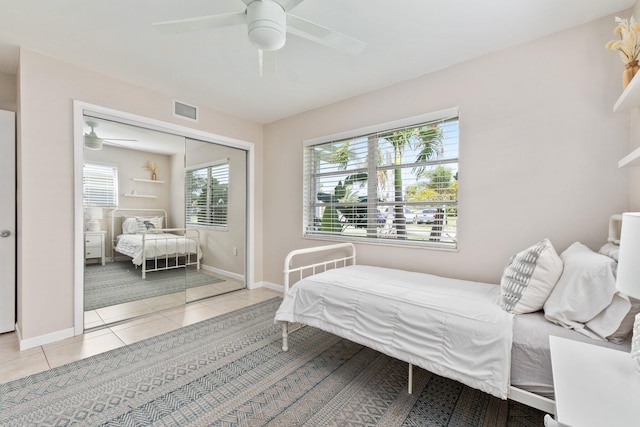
column 129, row 226
column 529, row 278
column 149, row 224
column 585, row 298
column 610, row 250
column 626, row 326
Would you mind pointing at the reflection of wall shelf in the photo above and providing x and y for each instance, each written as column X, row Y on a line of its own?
column 147, row 180
column 631, row 159
column 143, row 196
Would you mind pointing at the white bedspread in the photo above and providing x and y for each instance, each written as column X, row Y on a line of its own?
column 156, row 245
column 450, row 327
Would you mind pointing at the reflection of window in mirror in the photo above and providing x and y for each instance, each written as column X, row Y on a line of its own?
column 99, row 185
column 207, row 195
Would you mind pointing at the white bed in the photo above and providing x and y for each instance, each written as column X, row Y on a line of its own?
column 450, row 327
column 421, row 319
column 152, row 247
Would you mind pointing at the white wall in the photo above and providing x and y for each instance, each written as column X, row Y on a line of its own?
column 46, row 90
column 8, row 92
column 129, row 163
column 539, row 146
column 634, row 139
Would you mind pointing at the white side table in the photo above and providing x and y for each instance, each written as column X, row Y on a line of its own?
column 594, row 386
column 94, row 245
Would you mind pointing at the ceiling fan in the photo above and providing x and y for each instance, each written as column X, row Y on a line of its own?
column 93, row 142
column 267, row 22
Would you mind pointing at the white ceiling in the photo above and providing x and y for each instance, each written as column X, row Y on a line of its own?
column 135, row 137
column 219, row 68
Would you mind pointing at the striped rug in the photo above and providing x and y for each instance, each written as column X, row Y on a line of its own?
column 121, row 282
column 231, row 371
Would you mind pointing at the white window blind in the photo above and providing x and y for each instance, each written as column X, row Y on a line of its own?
column 207, row 195
column 397, row 185
column 100, row 185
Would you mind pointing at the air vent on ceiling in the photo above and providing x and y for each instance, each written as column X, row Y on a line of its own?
column 186, row 111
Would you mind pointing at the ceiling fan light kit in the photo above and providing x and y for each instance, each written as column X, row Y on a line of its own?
column 267, row 23
column 93, row 143
column 91, row 140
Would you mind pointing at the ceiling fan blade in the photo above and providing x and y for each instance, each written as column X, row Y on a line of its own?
column 287, row 5
column 325, row 36
column 267, row 61
column 201, row 23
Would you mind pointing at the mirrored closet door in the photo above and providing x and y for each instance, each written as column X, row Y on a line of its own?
column 165, row 220
column 216, row 206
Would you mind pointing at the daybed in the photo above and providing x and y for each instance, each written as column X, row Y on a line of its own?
column 454, row 328
column 150, row 246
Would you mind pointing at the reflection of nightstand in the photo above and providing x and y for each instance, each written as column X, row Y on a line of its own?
column 94, row 245
column 594, row 386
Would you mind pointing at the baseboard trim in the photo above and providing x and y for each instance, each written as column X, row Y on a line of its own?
column 18, row 332
column 270, row 285
column 27, row 343
column 235, row 276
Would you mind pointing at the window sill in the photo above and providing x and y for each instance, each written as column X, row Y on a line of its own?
column 205, row 227
column 378, row 242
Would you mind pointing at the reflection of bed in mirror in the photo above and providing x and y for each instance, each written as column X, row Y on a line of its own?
column 139, row 234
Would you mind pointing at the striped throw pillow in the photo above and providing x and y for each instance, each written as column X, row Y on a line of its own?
column 529, row 278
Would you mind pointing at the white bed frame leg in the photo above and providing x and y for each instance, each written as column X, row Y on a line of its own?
column 285, row 336
column 410, row 380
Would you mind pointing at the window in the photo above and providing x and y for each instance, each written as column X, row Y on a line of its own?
column 100, row 185
column 207, row 195
column 395, row 183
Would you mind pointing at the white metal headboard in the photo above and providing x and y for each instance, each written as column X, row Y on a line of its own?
column 341, row 261
column 130, row 211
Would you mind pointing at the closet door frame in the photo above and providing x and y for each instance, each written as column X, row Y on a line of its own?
column 79, row 110
column 7, row 221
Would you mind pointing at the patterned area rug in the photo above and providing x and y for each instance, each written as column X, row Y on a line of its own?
column 120, row 282
column 231, row 371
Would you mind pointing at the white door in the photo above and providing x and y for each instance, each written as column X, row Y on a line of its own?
column 7, row 221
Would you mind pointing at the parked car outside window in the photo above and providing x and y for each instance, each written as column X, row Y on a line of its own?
column 410, row 217
column 427, row 216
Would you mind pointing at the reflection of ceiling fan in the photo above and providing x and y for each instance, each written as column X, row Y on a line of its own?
column 268, row 21
column 93, row 141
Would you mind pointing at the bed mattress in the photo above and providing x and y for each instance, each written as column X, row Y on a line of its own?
column 156, row 245
column 531, row 357
column 453, row 328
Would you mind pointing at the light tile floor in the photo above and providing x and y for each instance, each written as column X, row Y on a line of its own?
column 16, row 364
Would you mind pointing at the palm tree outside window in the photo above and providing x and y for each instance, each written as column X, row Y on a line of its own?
column 397, row 183
column 207, row 195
